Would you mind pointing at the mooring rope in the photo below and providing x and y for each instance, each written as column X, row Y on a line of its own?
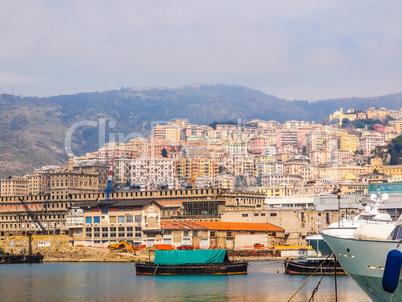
column 308, row 278
column 318, row 284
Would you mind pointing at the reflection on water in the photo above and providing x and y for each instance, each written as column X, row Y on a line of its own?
column 118, row 282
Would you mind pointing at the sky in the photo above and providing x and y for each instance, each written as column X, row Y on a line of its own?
column 298, row 49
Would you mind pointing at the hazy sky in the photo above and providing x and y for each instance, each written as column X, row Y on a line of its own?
column 292, row 49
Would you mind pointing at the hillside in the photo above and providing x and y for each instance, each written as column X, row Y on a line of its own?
column 33, row 129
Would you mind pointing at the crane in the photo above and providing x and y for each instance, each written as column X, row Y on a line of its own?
column 108, row 187
column 192, row 180
column 33, row 217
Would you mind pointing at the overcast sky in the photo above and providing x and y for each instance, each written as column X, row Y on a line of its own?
column 299, row 49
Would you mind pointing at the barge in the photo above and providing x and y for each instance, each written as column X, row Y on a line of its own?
column 22, row 258
column 309, row 265
column 191, row 262
column 7, row 258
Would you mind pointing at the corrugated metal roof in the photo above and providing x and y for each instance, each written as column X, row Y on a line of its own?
column 181, row 225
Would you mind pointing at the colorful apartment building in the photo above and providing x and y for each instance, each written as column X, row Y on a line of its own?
column 347, row 142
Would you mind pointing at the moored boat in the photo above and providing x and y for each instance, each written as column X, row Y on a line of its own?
column 191, row 262
column 7, row 258
column 22, row 258
column 309, row 265
column 364, row 258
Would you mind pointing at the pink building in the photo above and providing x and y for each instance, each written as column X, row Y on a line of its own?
column 257, row 144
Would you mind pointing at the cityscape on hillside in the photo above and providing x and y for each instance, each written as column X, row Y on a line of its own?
column 306, row 158
column 228, row 172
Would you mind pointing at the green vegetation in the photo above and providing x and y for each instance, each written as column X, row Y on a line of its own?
column 213, row 125
column 361, row 123
column 395, row 150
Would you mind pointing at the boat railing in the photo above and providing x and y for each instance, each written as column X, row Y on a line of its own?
column 347, row 219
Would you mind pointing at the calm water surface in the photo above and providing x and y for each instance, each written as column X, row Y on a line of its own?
column 118, row 282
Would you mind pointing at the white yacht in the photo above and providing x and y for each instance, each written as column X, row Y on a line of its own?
column 363, row 256
column 347, row 226
column 364, row 259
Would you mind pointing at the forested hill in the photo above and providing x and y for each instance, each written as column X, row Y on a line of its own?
column 33, row 129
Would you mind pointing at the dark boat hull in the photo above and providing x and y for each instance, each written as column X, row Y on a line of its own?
column 229, row 268
column 12, row 259
column 306, row 267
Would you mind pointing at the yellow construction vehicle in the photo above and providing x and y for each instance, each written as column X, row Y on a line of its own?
column 192, row 180
column 123, row 246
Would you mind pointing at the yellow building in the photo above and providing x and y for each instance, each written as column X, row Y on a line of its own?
column 340, row 172
column 276, row 191
column 348, row 142
column 14, row 186
column 36, row 183
column 65, row 182
column 390, row 170
column 168, row 132
column 377, row 114
column 397, row 125
column 355, row 188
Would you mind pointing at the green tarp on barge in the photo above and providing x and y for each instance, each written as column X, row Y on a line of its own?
column 190, row 257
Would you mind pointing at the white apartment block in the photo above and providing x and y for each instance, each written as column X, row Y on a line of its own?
column 266, row 168
column 369, row 141
column 152, row 171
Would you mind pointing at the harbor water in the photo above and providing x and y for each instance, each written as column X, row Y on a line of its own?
column 118, row 282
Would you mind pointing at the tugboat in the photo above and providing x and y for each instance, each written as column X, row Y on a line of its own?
column 191, row 262
column 7, row 258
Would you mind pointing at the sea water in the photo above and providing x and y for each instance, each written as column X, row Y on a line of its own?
column 118, row 282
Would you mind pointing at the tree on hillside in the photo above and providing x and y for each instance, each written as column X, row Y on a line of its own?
column 213, row 125
column 394, row 158
column 395, row 150
column 345, row 122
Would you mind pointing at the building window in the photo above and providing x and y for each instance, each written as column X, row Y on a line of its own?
column 88, row 219
column 88, row 232
column 121, row 219
column 97, row 232
column 262, row 214
column 105, row 232
column 138, row 233
column 244, row 215
column 113, row 232
column 186, row 233
column 97, row 219
column 129, row 232
column 113, row 219
column 195, row 233
column 129, row 218
column 212, row 234
column 121, row 232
